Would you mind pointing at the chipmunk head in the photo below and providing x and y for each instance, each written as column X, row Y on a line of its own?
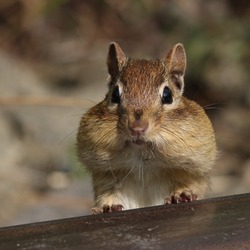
column 140, row 90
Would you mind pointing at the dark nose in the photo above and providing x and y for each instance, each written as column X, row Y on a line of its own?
column 137, row 114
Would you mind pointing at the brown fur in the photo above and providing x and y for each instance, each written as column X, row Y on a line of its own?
column 178, row 147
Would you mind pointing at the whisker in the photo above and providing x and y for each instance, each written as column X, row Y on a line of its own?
column 130, row 171
column 152, row 152
column 68, row 135
column 112, row 172
column 179, row 138
column 77, row 115
column 213, row 106
column 86, row 99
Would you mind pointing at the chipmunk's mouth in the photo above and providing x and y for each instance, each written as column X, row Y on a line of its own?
column 139, row 142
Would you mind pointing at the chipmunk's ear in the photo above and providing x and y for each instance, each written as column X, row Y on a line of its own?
column 115, row 61
column 176, row 64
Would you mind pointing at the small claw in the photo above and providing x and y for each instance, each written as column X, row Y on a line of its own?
column 177, row 197
column 188, row 196
column 96, row 210
column 168, row 200
column 106, row 209
column 116, row 207
column 173, row 199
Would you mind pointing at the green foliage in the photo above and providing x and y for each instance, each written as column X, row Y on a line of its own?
column 53, row 5
column 77, row 170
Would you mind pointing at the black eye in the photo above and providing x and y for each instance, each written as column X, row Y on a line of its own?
column 167, row 97
column 115, row 95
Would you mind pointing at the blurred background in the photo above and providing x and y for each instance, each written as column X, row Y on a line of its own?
column 53, row 68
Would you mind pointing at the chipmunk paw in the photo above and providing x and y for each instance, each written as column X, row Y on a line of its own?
column 180, row 197
column 107, row 209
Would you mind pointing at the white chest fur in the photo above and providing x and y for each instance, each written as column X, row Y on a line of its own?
column 145, row 183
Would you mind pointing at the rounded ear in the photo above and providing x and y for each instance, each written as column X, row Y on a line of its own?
column 116, row 59
column 176, row 59
column 176, row 64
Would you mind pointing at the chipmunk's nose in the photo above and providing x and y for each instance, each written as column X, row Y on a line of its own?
column 138, row 128
column 137, row 123
column 138, row 113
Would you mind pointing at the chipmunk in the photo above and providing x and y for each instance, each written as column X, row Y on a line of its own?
column 146, row 144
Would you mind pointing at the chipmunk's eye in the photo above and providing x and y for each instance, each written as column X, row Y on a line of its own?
column 115, row 95
column 167, row 97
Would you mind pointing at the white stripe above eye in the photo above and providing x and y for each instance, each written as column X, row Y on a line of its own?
column 161, row 88
column 120, row 87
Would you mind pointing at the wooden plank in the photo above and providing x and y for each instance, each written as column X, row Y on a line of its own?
column 218, row 223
